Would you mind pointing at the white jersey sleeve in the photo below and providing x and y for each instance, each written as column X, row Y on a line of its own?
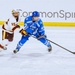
column 11, row 23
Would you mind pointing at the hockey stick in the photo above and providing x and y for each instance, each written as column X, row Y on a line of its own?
column 61, row 46
column 58, row 46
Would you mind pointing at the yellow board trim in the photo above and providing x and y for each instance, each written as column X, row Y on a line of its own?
column 1, row 22
column 58, row 24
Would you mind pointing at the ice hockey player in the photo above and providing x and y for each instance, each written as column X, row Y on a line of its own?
column 8, row 29
column 33, row 26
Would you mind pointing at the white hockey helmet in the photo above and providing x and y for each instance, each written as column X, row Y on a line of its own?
column 15, row 11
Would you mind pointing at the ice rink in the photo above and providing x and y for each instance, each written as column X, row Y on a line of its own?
column 34, row 59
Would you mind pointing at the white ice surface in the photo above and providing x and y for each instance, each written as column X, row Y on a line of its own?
column 34, row 59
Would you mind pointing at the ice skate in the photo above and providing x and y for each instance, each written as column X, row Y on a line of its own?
column 50, row 49
column 15, row 51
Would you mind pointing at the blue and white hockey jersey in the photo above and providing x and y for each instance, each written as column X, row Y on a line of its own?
column 34, row 28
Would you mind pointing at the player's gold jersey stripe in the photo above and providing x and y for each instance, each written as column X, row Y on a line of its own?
column 60, row 24
column 3, row 35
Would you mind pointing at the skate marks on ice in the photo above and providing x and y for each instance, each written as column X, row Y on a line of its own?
column 21, row 55
column 37, row 63
column 19, row 58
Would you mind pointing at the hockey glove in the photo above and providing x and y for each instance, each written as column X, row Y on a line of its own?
column 23, row 32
